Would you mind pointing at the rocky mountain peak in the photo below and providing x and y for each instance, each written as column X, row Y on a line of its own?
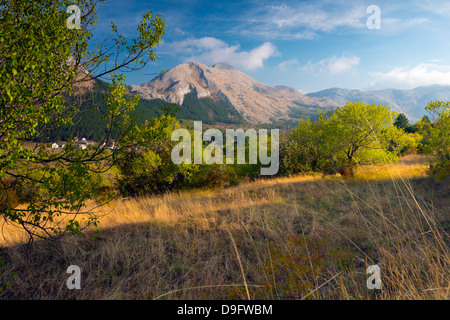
column 255, row 101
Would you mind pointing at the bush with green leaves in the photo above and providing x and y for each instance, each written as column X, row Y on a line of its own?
column 42, row 64
column 146, row 167
column 340, row 140
column 298, row 150
column 149, row 169
column 439, row 139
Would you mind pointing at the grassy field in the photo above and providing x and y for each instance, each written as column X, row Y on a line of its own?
column 304, row 237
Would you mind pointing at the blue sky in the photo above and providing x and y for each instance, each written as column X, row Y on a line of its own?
column 307, row 45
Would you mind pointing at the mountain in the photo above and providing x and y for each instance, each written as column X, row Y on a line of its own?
column 410, row 102
column 223, row 94
column 223, row 84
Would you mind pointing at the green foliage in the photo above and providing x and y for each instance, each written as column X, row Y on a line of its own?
column 402, row 122
column 422, row 128
column 88, row 122
column 412, row 144
column 355, row 134
column 299, row 150
column 211, row 176
column 42, row 64
column 8, row 194
column 5, row 279
column 208, row 110
column 146, row 166
column 439, row 139
column 304, row 112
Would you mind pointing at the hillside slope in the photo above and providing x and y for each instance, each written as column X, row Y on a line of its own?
column 256, row 102
column 410, row 102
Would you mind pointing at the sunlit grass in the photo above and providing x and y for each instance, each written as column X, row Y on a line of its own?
column 412, row 166
column 202, row 244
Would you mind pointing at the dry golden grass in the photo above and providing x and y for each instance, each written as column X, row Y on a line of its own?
column 214, row 244
column 411, row 166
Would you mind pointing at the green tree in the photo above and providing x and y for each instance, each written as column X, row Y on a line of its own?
column 402, row 122
column 422, row 127
column 439, row 138
column 351, row 135
column 299, row 150
column 42, row 64
column 147, row 166
column 425, row 119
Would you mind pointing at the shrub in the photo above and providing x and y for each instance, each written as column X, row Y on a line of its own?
column 351, row 135
column 8, row 194
column 439, row 139
column 147, row 166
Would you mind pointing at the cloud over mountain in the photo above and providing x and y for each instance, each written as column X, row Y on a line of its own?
column 209, row 51
column 423, row 74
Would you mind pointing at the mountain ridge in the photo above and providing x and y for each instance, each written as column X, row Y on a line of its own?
column 410, row 102
column 204, row 100
column 258, row 103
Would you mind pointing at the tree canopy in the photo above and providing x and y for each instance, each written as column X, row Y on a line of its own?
column 402, row 122
column 42, row 62
column 439, row 138
column 351, row 135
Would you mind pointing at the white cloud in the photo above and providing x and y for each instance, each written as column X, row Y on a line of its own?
column 180, row 32
column 306, row 20
column 437, row 7
column 408, row 78
column 286, row 65
column 210, row 50
column 197, row 44
column 316, row 17
column 333, row 64
column 398, row 25
column 302, row 20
